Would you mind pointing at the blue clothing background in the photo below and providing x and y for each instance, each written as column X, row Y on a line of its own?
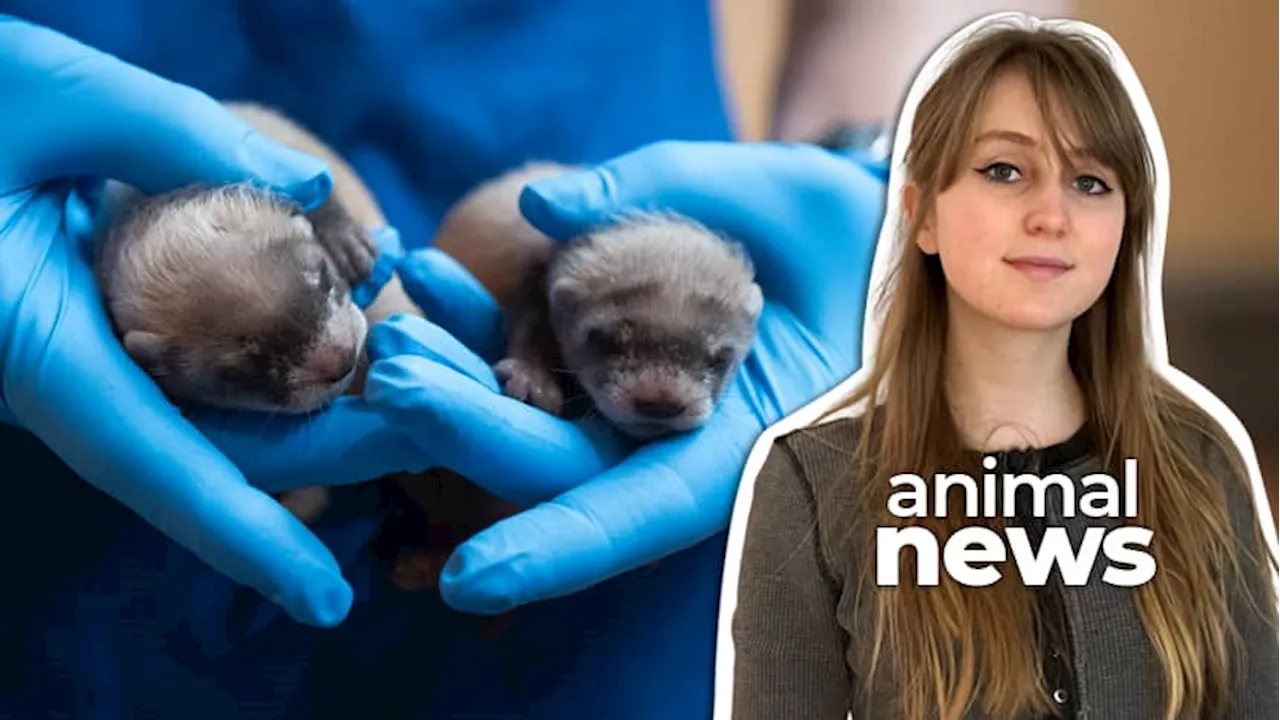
column 104, row 618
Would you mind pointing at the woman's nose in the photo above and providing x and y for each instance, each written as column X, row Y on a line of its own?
column 1048, row 212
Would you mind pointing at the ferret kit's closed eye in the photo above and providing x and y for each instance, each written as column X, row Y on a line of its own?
column 643, row 320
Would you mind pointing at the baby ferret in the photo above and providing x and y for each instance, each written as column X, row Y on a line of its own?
column 234, row 297
column 225, row 297
column 643, row 319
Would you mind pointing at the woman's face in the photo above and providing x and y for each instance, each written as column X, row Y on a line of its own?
column 1025, row 240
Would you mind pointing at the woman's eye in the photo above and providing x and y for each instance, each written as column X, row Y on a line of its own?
column 1000, row 172
column 1091, row 185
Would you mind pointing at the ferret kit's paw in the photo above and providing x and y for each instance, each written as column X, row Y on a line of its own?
column 530, row 383
column 353, row 250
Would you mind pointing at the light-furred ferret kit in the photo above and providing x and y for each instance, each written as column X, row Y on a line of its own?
column 233, row 297
column 648, row 316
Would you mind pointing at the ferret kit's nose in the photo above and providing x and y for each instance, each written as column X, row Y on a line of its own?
column 333, row 362
column 659, row 408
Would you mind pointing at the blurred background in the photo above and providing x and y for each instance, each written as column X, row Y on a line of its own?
column 1207, row 70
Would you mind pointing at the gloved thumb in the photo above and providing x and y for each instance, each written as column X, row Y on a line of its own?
column 85, row 112
column 565, row 205
column 751, row 191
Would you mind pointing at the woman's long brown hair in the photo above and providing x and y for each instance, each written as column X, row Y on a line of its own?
column 949, row 648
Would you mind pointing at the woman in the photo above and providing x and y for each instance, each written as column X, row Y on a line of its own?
column 1014, row 329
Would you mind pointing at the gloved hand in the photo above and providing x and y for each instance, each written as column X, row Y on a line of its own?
column 77, row 116
column 808, row 218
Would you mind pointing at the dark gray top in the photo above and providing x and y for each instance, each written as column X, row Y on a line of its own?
column 797, row 623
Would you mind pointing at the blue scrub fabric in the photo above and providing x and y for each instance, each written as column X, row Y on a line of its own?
column 103, row 618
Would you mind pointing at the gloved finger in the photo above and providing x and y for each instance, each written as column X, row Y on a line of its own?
column 808, row 218
column 406, row 334
column 666, row 497
column 85, row 112
column 511, row 449
column 454, row 299
column 390, row 254
column 348, row 442
column 716, row 183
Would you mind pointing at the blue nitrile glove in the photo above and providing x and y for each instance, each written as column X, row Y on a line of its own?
column 78, row 115
column 808, row 218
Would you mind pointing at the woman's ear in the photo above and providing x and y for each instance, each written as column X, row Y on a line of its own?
column 925, row 239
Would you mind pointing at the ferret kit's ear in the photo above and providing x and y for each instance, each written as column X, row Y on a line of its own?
column 565, row 297
column 147, row 350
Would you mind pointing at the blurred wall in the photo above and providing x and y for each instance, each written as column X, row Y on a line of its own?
column 752, row 39
column 1209, row 75
column 1207, row 70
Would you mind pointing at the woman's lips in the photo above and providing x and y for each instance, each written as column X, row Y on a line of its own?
column 1039, row 268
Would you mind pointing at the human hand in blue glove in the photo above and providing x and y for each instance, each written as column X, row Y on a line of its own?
column 78, row 116
column 808, row 218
